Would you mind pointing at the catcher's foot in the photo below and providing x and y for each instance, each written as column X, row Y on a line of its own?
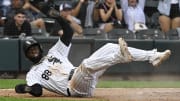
column 159, row 57
column 124, row 50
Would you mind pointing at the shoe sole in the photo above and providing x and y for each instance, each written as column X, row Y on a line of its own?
column 124, row 50
column 165, row 57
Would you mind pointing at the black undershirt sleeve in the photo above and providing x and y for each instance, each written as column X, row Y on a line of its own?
column 66, row 38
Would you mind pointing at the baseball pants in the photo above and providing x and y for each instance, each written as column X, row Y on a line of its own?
column 86, row 76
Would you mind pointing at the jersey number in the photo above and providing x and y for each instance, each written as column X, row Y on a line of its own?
column 46, row 74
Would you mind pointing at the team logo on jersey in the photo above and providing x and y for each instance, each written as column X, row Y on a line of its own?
column 54, row 60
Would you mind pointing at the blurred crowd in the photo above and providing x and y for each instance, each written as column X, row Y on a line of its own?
column 40, row 17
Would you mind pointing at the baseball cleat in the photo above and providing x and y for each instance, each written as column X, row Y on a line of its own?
column 124, row 50
column 159, row 57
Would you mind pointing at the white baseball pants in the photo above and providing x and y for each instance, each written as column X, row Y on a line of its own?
column 86, row 76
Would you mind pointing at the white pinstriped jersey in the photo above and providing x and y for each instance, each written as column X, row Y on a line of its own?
column 53, row 71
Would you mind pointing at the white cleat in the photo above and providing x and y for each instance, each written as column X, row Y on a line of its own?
column 124, row 50
column 159, row 57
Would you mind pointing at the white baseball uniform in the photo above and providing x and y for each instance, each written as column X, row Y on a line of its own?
column 54, row 70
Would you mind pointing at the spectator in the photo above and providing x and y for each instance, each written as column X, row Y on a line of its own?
column 134, row 14
column 41, row 7
column 169, row 14
column 84, row 10
column 4, row 7
column 21, row 4
column 66, row 13
column 18, row 25
column 110, row 15
column 2, row 18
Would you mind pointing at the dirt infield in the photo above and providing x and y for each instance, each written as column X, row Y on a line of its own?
column 113, row 94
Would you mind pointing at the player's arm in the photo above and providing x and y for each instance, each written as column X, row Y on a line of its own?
column 66, row 38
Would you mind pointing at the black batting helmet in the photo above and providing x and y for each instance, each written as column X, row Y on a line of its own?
column 30, row 43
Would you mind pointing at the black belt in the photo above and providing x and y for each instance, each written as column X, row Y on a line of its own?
column 71, row 74
column 68, row 92
column 69, row 78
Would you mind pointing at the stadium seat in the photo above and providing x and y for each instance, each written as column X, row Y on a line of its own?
column 178, row 30
column 1, row 31
column 38, row 32
column 92, row 31
column 116, row 33
column 150, row 34
column 173, row 34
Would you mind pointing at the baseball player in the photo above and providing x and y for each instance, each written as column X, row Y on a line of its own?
column 55, row 72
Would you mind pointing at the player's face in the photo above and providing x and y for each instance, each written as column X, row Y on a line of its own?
column 33, row 51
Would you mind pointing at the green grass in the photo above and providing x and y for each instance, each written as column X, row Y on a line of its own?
column 10, row 83
column 139, row 84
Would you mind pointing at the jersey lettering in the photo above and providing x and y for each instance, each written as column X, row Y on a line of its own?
column 54, row 60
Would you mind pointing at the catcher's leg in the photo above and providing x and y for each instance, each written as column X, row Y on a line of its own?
column 35, row 90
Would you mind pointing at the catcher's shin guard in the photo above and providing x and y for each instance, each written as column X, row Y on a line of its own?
column 35, row 90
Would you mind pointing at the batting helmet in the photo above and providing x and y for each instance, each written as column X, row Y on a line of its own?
column 32, row 43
